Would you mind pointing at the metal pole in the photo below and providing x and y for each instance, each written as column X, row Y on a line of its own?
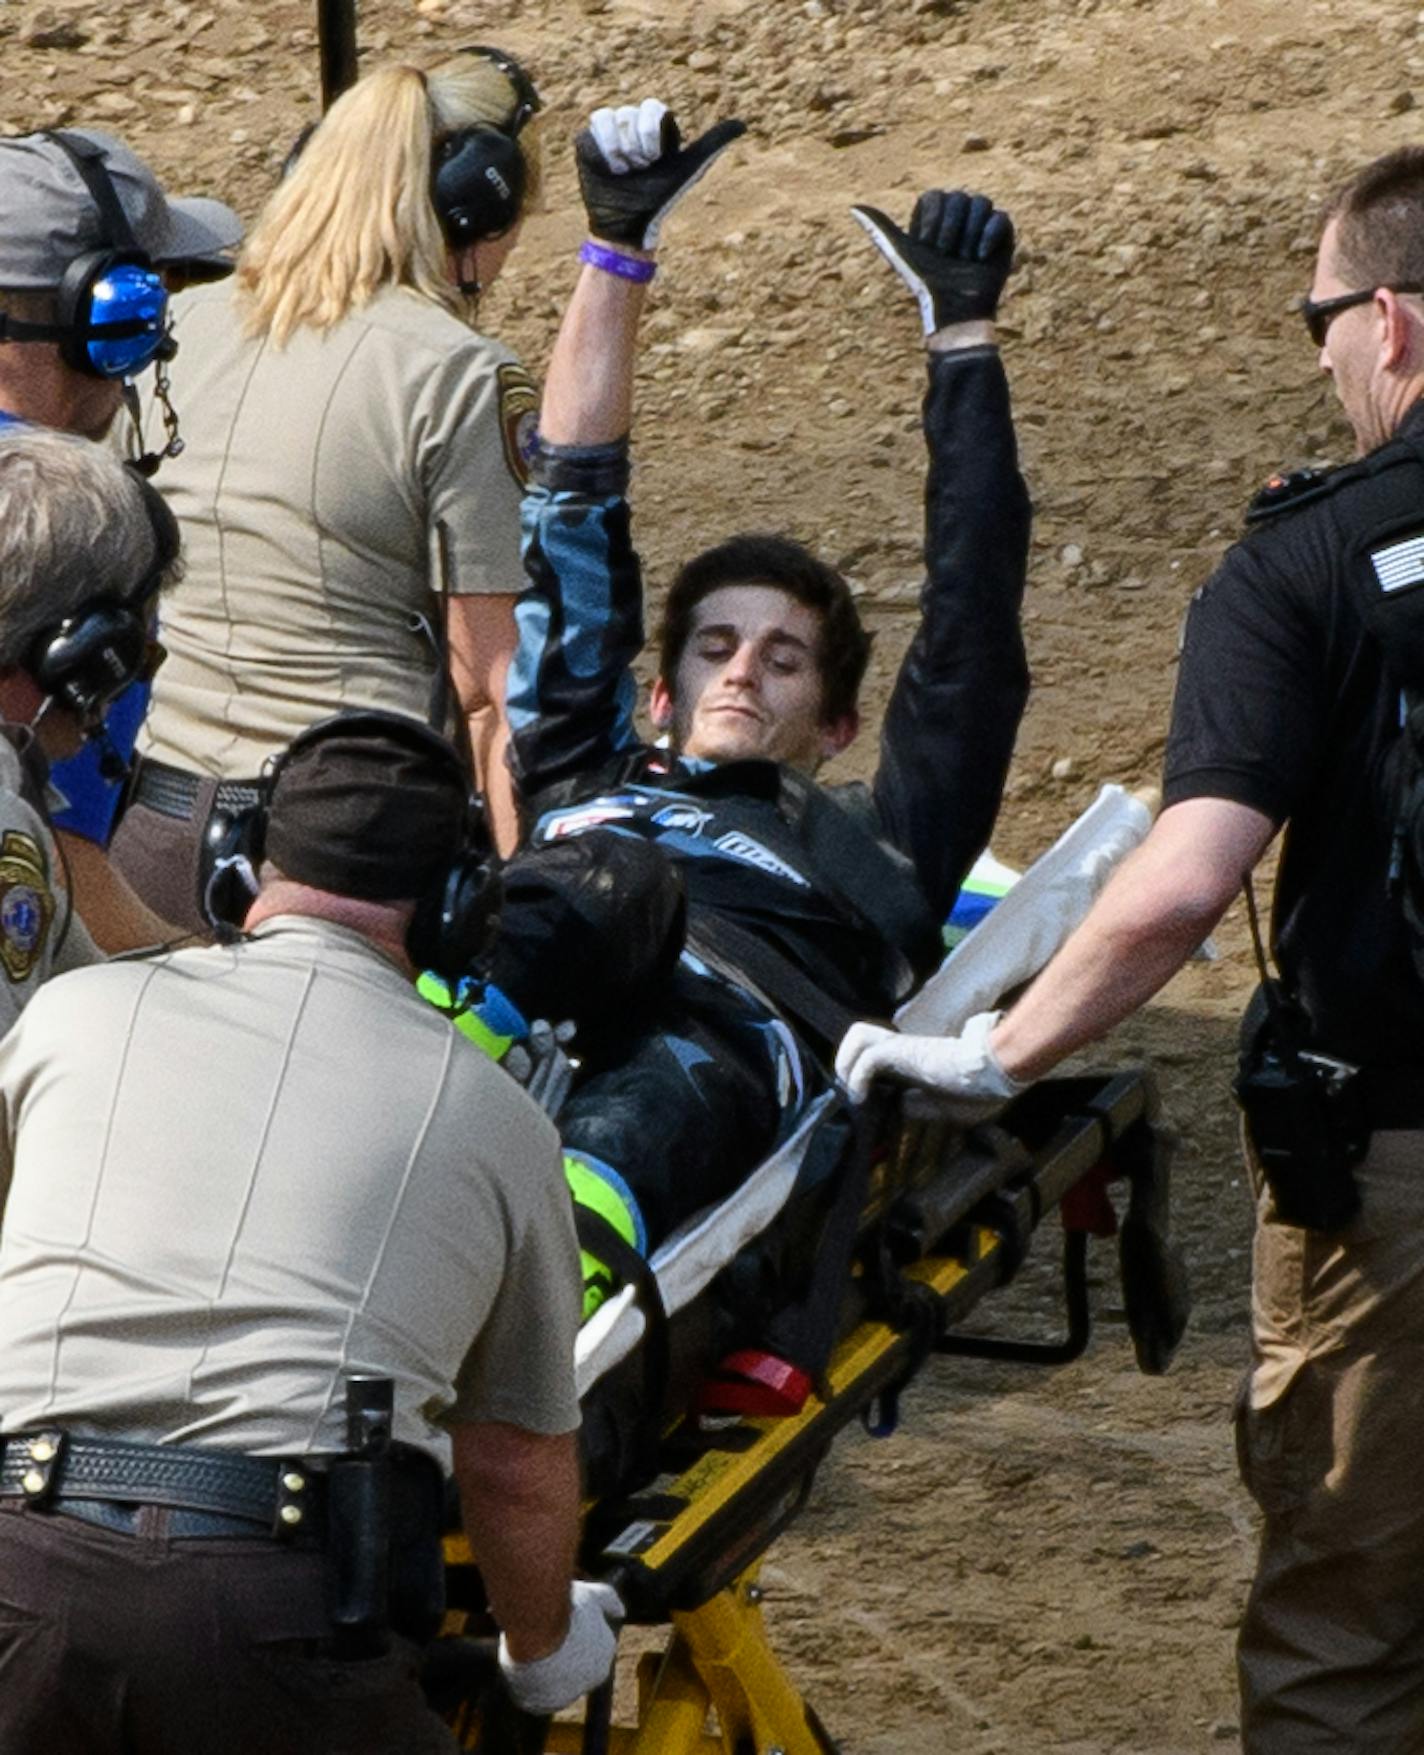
column 336, row 42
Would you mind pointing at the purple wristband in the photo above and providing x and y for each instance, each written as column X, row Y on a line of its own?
column 615, row 262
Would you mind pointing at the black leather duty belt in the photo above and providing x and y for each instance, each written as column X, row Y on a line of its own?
column 173, row 792
column 1394, row 1097
column 211, row 1493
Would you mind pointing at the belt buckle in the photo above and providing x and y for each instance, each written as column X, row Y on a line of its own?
column 41, row 1455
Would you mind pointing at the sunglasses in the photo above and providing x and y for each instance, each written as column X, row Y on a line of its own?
column 526, row 99
column 1319, row 314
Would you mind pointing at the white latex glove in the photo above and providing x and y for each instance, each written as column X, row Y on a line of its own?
column 550, row 1683
column 961, row 1070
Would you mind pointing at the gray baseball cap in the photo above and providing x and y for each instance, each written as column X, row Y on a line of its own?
column 51, row 216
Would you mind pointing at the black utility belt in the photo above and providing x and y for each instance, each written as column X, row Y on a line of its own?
column 173, row 792
column 1393, row 1097
column 377, row 1514
column 214, row 1492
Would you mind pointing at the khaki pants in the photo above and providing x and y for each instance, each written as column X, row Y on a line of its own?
column 1331, row 1440
column 159, row 856
column 144, row 1644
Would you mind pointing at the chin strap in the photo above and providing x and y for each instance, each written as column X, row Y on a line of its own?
column 147, row 462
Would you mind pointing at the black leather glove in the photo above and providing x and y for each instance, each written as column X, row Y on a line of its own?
column 954, row 258
column 633, row 169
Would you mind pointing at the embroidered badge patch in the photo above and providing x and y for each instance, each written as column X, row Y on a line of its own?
column 1400, row 566
column 518, row 418
column 26, row 904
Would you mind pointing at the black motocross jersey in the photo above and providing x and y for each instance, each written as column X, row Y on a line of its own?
column 846, row 885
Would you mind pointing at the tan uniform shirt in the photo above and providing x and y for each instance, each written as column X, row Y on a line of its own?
column 38, row 935
column 236, row 1175
column 312, row 489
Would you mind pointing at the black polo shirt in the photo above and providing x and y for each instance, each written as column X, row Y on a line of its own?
column 1283, row 704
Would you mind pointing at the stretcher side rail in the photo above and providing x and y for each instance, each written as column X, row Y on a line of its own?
column 950, row 1222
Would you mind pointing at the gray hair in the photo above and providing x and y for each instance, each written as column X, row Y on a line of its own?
column 73, row 526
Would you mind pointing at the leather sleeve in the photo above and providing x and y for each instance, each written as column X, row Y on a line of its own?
column 954, row 713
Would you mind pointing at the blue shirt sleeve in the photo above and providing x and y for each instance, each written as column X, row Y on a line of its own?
column 571, row 690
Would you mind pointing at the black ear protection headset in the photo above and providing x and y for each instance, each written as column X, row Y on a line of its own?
column 478, row 177
column 454, row 921
column 477, row 184
column 90, row 657
column 111, row 307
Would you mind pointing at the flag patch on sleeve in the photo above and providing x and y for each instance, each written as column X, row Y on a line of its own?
column 1400, row 566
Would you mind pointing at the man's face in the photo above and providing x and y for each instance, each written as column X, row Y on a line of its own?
column 94, row 403
column 87, row 405
column 748, row 684
column 36, row 384
column 1353, row 348
column 22, row 702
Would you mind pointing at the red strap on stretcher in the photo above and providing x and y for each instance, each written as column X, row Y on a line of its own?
column 753, row 1382
column 1086, row 1206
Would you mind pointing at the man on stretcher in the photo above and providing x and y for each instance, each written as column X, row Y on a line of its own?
column 710, row 915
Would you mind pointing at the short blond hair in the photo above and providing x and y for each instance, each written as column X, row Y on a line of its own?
column 354, row 214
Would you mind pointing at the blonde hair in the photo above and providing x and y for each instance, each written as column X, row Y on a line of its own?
column 354, row 214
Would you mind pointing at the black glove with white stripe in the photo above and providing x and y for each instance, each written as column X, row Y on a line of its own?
column 955, row 257
column 633, row 169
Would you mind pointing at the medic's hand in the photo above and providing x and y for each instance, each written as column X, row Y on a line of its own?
column 633, row 169
column 584, row 1660
column 955, row 257
column 541, row 1064
column 962, row 1072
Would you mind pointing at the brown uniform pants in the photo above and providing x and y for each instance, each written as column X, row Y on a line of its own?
column 1331, row 1439
column 148, row 1645
column 159, row 856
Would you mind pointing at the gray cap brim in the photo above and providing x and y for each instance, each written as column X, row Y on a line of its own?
column 199, row 230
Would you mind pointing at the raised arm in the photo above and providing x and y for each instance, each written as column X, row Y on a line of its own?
column 950, row 726
column 571, row 689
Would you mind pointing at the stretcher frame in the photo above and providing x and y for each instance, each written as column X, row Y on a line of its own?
column 694, row 1565
column 685, row 1553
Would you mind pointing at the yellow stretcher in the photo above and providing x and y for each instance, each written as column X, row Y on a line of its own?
column 947, row 1220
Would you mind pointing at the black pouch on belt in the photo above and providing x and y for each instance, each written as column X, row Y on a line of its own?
column 1305, row 1114
column 385, row 1506
column 358, row 1522
column 416, row 1593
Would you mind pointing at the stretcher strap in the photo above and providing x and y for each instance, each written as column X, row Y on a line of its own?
column 806, row 1332
column 747, row 957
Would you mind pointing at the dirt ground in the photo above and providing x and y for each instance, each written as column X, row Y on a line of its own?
column 1036, row 1562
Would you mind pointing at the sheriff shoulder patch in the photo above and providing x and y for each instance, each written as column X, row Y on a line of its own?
column 26, row 904
column 1400, row 566
column 518, row 417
